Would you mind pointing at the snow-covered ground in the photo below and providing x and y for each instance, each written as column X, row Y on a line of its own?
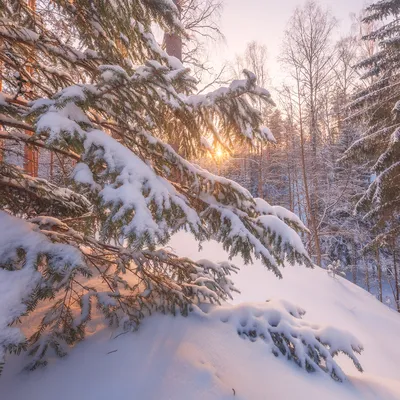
column 200, row 358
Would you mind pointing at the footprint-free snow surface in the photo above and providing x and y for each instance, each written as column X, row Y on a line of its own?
column 204, row 358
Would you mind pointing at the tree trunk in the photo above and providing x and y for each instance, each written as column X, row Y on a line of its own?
column 1, row 89
column 379, row 268
column 312, row 219
column 173, row 42
column 396, row 277
column 173, row 47
column 367, row 282
column 260, row 174
column 354, row 262
column 31, row 153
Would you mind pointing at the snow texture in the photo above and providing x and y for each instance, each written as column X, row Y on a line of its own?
column 21, row 246
column 204, row 358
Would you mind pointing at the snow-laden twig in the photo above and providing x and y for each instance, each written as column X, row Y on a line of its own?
column 280, row 326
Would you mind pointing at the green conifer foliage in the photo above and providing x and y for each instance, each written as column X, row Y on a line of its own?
column 379, row 105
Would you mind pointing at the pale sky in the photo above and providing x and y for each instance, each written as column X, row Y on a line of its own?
column 265, row 21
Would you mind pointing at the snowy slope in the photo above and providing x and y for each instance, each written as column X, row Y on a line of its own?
column 196, row 358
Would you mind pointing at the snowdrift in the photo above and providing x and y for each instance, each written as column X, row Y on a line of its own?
column 205, row 358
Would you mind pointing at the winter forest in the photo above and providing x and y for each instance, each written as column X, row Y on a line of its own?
column 167, row 210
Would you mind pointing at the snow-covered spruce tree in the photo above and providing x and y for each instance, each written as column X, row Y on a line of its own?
column 379, row 105
column 97, row 88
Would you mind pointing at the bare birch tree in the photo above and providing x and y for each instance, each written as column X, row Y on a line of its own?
column 310, row 58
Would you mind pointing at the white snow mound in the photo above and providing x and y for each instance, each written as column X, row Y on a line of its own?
column 203, row 357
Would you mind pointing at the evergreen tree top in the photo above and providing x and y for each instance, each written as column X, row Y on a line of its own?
column 382, row 9
column 377, row 104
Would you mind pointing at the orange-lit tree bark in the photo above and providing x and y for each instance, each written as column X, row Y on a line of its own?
column 173, row 40
column 31, row 153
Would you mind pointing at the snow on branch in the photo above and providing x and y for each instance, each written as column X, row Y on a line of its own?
column 145, row 204
column 231, row 102
column 23, row 250
column 142, row 204
column 282, row 213
column 280, row 326
column 46, row 262
column 21, row 192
